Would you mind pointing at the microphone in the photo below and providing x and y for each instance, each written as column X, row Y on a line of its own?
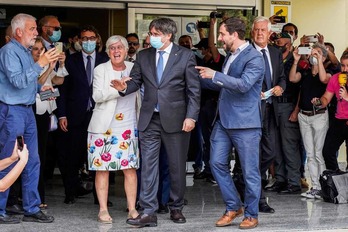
column 342, row 80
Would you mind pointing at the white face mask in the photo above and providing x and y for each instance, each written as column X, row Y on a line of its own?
column 77, row 46
column 313, row 60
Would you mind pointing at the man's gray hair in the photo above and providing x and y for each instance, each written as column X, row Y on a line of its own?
column 165, row 25
column 262, row 19
column 19, row 20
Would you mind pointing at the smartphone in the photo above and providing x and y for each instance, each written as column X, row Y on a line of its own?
column 59, row 47
column 44, row 95
column 20, row 143
column 312, row 38
column 280, row 19
column 304, row 50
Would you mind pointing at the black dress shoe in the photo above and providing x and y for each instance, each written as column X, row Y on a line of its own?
column 201, row 175
column 277, row 187
column 5, row 219
column 38, row 217
column 177, row 216
column 143, row 220
column 15, row 209
column 162, row 209
column 291, row 189
column 265, row 208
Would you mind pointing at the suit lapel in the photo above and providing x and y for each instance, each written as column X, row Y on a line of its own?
column 152, row 64
column 171, row 60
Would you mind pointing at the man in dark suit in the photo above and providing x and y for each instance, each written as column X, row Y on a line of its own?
column 169, row 111
column 238, row 122
column 275, row 82
column 75, row 106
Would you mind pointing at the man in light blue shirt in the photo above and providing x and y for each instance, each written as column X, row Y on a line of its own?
column 18, row 84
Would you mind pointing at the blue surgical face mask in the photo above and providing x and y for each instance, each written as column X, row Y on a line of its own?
column 156, row 42
column 89, row 46
column 55, row 37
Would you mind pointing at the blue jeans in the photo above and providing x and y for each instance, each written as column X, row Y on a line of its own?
column 16, row 120
column 246, row 141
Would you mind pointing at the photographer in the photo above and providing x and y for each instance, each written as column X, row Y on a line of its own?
column 313, row 122
column 17, row 155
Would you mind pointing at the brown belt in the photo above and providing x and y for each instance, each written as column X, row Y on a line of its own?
column 313, row 112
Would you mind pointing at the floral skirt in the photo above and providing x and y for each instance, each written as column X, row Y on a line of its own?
column 113, row 151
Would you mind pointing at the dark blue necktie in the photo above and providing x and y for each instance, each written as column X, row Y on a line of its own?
column 160, row 66
column 89, row 79
column 89, row 70
column 267, row 73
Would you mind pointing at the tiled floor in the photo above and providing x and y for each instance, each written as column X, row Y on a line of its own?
column 205, row 206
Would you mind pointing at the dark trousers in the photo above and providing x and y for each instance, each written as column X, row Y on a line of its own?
column 288, row 162
column 176, row 145
column 336, row 135
column 73, row 149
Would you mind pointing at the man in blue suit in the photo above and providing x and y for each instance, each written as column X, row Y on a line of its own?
column 75, row 106
column 238, row 121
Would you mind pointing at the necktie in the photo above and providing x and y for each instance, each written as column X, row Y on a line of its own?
column 267, row 71
column 89, row 79
column 89, row 70
column 160, row 66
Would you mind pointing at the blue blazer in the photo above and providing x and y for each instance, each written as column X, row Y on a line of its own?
column 75, row 91
column 240, row 95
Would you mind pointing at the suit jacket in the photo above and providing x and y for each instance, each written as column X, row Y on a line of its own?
column 239, row 101
column 105, row 97
column 178, row 93
column 278, row 78
column 75, row 91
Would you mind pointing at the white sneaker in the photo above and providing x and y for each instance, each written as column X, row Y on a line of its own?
column 318, row 195
column 271, row 182
column 309, row 194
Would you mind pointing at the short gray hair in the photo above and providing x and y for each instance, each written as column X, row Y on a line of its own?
column 261, row 19
column 19, row 20
column 322, row 48
column 114, row 39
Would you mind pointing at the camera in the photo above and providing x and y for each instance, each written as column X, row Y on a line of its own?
column 203, row 24
column 312, row 38
column 304, row 50
column 215, row 14
column 20, row 143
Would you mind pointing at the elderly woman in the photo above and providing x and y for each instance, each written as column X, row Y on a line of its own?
column 112, row 132
column 43, row 109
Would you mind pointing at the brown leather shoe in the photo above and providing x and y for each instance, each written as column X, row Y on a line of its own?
column 248, row 223
column 228, row 217
column 177, row 216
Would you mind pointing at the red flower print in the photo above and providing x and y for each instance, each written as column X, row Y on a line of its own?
column 126, row 134
column 124, row 162
column 106, row 157
column 99, row 142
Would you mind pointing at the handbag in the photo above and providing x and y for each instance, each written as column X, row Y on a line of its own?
column 53, row 124
column 334, row 186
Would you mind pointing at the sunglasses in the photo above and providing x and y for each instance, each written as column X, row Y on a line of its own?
column 132, row 44
column 55, row 28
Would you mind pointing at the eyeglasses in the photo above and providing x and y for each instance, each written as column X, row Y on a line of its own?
column 133, row 44
column 55, row 28
column 92, row 38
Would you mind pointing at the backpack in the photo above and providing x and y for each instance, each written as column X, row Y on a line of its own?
column 334, row 186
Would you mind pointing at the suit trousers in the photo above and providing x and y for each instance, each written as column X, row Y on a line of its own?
column 176, row 146
column 288, row 162
column 246, row 142
column 18, row 120
column 73, row 149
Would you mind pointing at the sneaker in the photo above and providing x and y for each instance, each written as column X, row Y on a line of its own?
column 38, row 217
column 318, row 195
column 271, row 182
column 310, row 194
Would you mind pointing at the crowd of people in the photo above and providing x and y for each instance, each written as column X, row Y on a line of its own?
column 140, row 111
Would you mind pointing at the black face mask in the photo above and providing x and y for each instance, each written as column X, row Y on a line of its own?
column 186, row 46
column 281, row 48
